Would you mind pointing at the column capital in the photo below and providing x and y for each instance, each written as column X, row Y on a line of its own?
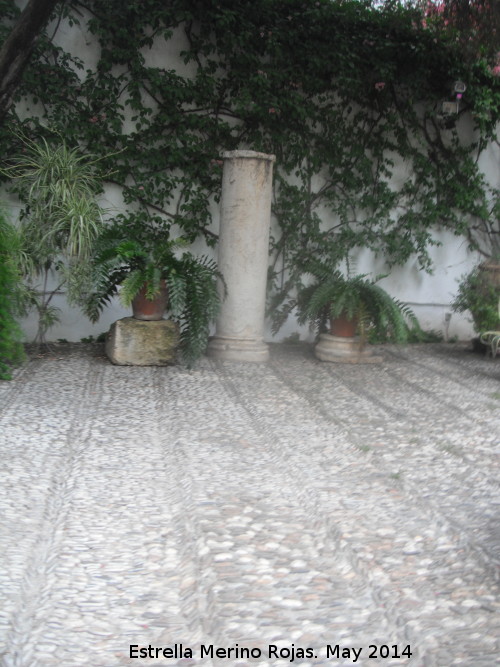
column 252, row 155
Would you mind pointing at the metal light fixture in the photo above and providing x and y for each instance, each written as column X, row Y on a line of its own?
column 448, row 108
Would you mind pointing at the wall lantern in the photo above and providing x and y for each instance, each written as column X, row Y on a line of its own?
column 448, row 108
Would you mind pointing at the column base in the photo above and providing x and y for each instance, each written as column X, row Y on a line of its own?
column 238, row 349
column 132, row 342
column 344, row 351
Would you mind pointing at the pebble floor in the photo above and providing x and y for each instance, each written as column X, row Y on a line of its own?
column 280, row 507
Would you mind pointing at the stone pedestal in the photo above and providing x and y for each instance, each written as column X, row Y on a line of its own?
column 344, row 350
column 132, row 342
column 243, row 256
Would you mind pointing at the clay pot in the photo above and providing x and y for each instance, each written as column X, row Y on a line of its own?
column 343, row 326
column 145, row 309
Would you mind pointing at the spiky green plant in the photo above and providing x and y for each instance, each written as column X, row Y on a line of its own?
column 332, row 295
column 60, row 222
column 135, row 251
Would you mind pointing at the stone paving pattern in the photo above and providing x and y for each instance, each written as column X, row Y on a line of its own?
column 295, row 502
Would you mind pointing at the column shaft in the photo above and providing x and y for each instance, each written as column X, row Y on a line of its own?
column 243, row 256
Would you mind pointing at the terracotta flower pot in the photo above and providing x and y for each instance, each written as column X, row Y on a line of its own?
column 343, row 326
column 145, row 309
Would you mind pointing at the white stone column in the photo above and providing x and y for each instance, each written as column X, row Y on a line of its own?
column 245, row 217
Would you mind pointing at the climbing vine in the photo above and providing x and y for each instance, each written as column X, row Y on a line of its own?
column 347, row 95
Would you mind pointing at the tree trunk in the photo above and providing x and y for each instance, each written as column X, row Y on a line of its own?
column 18, row 47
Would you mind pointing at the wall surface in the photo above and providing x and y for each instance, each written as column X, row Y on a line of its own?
column 429, row 295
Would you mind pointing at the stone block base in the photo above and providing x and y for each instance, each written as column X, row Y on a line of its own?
column 132, row 342
column 238, row 349
column 344, row 351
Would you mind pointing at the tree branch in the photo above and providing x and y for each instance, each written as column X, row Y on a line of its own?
column 18, row 47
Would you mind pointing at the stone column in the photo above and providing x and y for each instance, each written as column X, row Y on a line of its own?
column 245, row 217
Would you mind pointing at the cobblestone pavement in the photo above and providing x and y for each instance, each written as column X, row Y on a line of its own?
column 298, row 510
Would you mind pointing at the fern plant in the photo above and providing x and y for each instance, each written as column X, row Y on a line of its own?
column 333, row 295
column 136, row 251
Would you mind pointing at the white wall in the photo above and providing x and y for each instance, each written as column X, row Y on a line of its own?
column 429, row 295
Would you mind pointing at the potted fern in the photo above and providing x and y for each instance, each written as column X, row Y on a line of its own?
column 350, row 308
column 155, row 274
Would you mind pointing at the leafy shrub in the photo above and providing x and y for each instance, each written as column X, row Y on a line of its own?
column 481, row 298
column 11, row 299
